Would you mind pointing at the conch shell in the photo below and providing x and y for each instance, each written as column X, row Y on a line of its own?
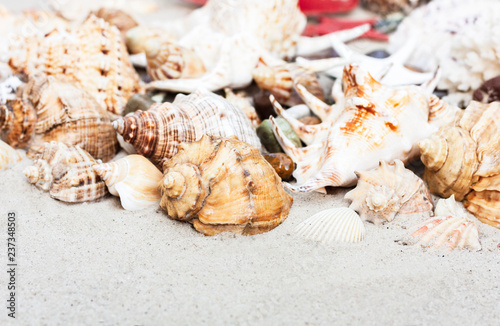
column 389, row 190
column 463, row 160
column 66, row 172
column 8, row 156
column 17, row 122
column 222, row 184
column 369, row 122
column 68, row 114
column 157, row 132
column 134, row 179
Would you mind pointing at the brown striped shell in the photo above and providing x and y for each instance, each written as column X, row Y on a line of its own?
column 67, row 173
column 223, row 185
column 69, row 114
column 157, row 132
column 17, row 122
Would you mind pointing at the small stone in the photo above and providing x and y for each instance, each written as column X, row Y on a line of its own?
column 282, row 164
column 267, row 138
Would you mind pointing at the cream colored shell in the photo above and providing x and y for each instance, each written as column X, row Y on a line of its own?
column 8, row 156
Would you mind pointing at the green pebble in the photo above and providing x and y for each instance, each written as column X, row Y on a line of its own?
column 267, row 138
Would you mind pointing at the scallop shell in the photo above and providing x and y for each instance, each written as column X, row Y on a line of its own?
column 8, row 156
column 17, row 122
column 134, row 179
column 66, row 172
column 454, row 231
column 222, row 184
column 93, row 55
column 368, row 123
column 157, row 132
column 389, row 190
column 69, row 114
column 336, row 224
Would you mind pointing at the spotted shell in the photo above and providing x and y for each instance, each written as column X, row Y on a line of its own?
column 157, row 132
column 69, row 114
column 389, row 190
column 17, row 122
column 67, row 173
column 8, row 156
column 223, row 185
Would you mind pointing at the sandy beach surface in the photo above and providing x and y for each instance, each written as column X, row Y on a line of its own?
column 98, row 264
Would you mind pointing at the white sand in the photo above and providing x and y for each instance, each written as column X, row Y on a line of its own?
column 96, row 263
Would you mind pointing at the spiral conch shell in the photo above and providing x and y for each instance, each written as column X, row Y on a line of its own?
column 134, row 179
column 389, row 190
column 8, row 156
column 463, row 160
column 157, row 132
column 222, row 184
column 17, row 122
column 67, row 173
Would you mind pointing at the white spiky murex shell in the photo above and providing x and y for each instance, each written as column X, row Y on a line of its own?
column 369, row 122
column 134, row 179
column 389, row 190
column 333, row 225
column 8, row 156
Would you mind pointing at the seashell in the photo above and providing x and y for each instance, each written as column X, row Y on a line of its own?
column 484, row 200
column 222, row 184
column 389, row 190
column 8, row 156
column 137, row 38
column 69, row 114
column 157, row 132
column 116, row 17
column 454, row 231
column 369, row 122
column 134, row 179
column 241, row 102
column 66, row 172
column 138, row 102
column 310, row 120
column 335, row 224
column 17, row 122
column 8, row 89
column 384, row 7
column 92, row 55
column 488, row 92
column 281, row 163
column 447, row 207
column 267, row 138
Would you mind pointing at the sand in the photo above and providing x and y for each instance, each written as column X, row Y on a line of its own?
column 98, row 264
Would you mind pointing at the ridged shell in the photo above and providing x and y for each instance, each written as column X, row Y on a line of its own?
column 8, row 88
column 17, row 122
column 282, row 80
column 157, row 132
column 331, row 225
column 138, row 37
column 484, row 200
column 222, row 184
column 450, row 206
column 452, row 231
column 241, row 102
column 134, row 179
column 8, row 156
column 69, row 114
column 389, row 190
column 67, row 173
column 116, row 17
column 93, row 55
column 369, row 122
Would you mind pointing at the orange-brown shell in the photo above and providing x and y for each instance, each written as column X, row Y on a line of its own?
column 223, row 185
column 118, row 18
column 17, row 122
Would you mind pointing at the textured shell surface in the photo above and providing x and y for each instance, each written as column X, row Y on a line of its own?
column 8, row 88
column 240, row 100
column 67, row 173
column 450, row 231
column 389, row 190
column 17, row 122
column 333, row 225
column 223, row 185
column 134, row 179
column 92, row 54
column 71, row 115
column 117, row 17
column 447, row 207
column 8, row 156
column 370, row 122
column 157, row 132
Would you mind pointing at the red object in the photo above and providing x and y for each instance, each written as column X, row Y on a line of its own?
column 314, row 7
column 332, row 24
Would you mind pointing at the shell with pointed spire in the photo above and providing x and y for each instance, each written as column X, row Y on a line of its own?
column 336, row 224
column 369, row 122
column 67, row 173
column 8, row 156
column 389, row 190
column 69, row 114
column 134, row 179
column 157, row 132
column 223, row 185
column 17, row 122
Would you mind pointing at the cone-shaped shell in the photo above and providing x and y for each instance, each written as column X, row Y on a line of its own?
column 134, row 179
column 8, row 156
column 157, row 132
column 451, row 231
column 67, row 173
column 389, row 190
column 17, row 122
column 223, row 185
column 336, row 224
